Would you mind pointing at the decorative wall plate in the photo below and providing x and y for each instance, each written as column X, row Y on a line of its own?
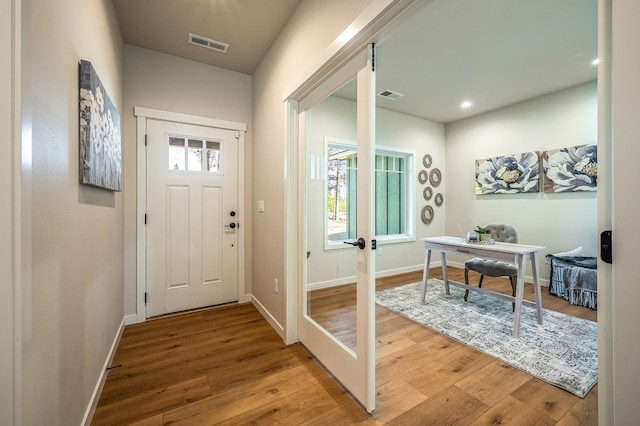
column 423, row 176
column 439, row 199
column 427, row 214
column 427, row 193
column 427, row 161
column 435, row 177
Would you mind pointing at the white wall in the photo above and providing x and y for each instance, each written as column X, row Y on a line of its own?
column 558, row 222
column 312, row 27
column 621, row 350
column 163, row 82
column 336, row 117
column 6, row 222
column 77, row 263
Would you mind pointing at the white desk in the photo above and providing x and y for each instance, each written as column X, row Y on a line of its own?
column 506, row 252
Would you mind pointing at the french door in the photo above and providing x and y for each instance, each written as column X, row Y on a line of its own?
column 336, row 315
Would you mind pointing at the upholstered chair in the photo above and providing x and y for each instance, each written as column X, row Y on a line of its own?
column 491, row 268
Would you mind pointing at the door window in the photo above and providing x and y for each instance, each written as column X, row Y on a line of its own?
column 195, row 155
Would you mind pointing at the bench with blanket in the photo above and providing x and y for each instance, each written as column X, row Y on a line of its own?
column 575, row 279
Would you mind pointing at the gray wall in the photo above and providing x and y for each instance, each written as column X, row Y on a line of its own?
column 163, row 82
column 312, row 27
column 559, row 222
column 76, row 298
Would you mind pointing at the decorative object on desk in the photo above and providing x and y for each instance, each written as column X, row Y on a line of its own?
column 423, row 176
column 484, row 234
column 510, row 174
column 573, row 169
column 427, row 193
column 439, row 199
column 100, row 140
column 472, row 236
column 427, row 160
column 562, row 352
column 435, row 177
column 486, row 242
column 427, row 214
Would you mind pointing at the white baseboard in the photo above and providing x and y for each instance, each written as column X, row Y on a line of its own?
column 341, row 281
column 270, row 319
column 131, row 319
column 95, row 397
column 379, row 274
column 406, row 269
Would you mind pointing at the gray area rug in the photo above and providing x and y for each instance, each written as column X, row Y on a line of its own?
column 562, row 351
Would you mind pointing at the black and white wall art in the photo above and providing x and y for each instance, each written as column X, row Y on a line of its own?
column 100, row 137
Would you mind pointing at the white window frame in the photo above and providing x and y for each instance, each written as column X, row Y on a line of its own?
column 410, row 216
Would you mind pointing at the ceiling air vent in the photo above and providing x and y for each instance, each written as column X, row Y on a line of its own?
column 218, row 46
column 390, row 94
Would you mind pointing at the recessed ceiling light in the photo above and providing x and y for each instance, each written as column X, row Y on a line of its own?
column 596, row 61
column 466, row 104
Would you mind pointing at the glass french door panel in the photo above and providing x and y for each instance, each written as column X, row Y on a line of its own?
column 331, row 200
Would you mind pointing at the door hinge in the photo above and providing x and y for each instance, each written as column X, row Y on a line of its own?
column 145, row 140
column 237, row 134
column 373, row 57
column 145, row 297
column 145, row 218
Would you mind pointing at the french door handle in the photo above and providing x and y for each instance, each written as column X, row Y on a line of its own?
column 231, row 225
column 360, row 243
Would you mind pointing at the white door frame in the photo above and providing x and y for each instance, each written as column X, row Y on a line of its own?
column 142, row 114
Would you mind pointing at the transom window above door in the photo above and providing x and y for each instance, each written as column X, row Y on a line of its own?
column 194, row 155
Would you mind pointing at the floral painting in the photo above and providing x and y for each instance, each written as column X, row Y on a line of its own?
column 100, row 141
column 510, row 174
column 573, row 169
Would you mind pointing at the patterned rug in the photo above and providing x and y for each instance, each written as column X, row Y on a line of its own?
column 563, row 351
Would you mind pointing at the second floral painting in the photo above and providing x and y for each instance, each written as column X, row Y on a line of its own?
column 573, row 169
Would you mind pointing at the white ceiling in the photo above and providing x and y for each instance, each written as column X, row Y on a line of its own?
column 248, row 26
column 492, row 52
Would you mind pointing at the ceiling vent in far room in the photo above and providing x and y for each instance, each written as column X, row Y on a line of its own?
column 390, row 94
column 218, row 46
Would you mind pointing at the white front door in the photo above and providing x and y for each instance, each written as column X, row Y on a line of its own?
column 192, row 226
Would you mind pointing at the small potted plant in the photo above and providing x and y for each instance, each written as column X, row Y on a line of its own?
column 484, row 234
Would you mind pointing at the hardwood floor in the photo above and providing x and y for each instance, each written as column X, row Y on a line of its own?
column 227, row 366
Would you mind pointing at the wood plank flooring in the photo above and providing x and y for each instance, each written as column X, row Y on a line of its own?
column 226, row 365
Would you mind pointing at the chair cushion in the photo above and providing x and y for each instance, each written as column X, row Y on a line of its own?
column 491, row 268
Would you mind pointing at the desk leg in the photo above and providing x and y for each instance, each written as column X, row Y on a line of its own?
column 535, row 271
column 425, row 273
column 520, row 263
column 445, row 274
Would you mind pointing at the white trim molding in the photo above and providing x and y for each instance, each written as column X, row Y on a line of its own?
column 95, row 396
